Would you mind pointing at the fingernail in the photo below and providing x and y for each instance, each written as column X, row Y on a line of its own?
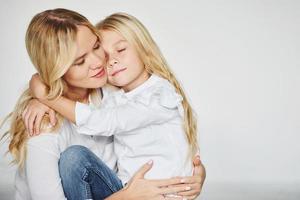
column 182, row 181
column 150, row 162
column 184, row 198
column 187, row 188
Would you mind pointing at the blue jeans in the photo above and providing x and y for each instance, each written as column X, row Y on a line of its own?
column 85, row 176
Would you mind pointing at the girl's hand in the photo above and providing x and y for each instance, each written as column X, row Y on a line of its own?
column 196, row 181
column 33, row 115
column 140, row 188
column 37, row 87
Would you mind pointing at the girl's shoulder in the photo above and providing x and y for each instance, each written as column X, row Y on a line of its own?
column 161, row 91
column 109, row 94
column 108, row 88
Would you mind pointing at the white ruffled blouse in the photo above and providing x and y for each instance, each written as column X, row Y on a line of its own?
column 147, row 123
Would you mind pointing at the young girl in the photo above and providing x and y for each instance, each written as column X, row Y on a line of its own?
column 149, row 116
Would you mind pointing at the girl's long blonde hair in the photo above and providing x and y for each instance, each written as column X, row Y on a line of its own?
column 136, row 34
column 51, row 45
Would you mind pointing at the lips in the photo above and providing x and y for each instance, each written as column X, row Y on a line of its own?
column 116, row 72
column 99, row 74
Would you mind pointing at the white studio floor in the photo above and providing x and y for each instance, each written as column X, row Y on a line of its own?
column 211, row 190
column 216, row 191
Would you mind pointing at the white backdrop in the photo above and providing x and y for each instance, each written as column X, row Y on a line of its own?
column 239, row 64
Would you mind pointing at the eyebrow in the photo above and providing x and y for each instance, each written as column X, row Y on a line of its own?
column 82, row 56
column 118, row 42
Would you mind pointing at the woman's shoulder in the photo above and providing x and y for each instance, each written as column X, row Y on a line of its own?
column 45, row 140
column 48, row 138
column 44, row 144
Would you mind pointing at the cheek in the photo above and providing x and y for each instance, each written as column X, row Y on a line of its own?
column 132, row 61
column 101, row 53
column 75, row 75
column 136, row 66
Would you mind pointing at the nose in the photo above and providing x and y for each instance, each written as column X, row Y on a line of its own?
column 96, row 61
column 112, row 62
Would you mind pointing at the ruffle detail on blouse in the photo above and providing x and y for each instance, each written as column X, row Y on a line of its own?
column 159, row 93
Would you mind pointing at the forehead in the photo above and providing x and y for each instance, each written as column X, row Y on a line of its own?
column 110, row 38
column 85, row 39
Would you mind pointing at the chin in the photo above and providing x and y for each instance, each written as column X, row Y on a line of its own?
column 118, row 83
column 97, row 84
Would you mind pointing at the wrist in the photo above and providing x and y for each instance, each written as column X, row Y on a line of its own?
column 120, row 195
column 40, row 97
column 125, row 194
column 42, row 94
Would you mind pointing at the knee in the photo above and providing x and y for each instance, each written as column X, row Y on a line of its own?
column 73, row 158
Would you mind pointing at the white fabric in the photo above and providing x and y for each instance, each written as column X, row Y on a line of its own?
column 147, row 123
column 40, row 178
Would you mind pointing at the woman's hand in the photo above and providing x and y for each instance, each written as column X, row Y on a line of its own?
column 37, row 87
column 196, row 181
column 140, row 188
column 33, row 115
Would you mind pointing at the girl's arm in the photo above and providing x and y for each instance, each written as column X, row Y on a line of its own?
column 120, row 119
column 33, row 115
column 106, row 121
column 62, row 105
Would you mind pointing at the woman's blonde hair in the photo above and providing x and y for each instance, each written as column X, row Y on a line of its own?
column 137, row 35
column 51, row 46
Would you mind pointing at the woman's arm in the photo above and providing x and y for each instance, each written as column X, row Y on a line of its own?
column 140, row 188
column 41, row 168
column 196, row 181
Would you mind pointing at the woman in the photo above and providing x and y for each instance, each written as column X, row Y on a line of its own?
column 56, row 42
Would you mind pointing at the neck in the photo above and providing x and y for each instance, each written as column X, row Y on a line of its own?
column 143, row 77
column 77, row 94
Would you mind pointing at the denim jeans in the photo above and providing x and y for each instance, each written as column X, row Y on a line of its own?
column 85, row 176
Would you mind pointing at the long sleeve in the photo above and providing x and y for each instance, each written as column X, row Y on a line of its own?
column 135, row 113
column 41, row 168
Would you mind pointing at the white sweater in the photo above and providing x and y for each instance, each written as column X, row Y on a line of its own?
column 40, row 178
column 147, row 123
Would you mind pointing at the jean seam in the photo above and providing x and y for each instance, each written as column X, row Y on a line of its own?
column 86, row 185
column 102, row 176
